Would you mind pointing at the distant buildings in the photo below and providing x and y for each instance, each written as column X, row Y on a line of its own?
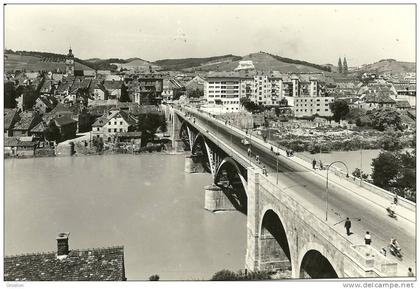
column 223, row 91
column 97, row 264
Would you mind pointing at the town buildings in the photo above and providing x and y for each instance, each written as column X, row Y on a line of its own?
column 112, row 122
column 97, row 264
column 305, row 93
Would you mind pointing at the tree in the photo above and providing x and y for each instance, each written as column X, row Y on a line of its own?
column 385, row 169
column 340, row 66
column 224, row 275
column 406, row 179
column 52, row 132
column 124, row 94
column 29, row 97
column 345, row 67
column 227, row 275
column 386, row 118
column 358, row 173
column 196, row 93
column 85, row 121
column 154, row 278
column 391, row 140
column 9, row 95
column 150, row 122
column 340, row 109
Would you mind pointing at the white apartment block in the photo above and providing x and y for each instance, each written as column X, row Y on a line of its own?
column 224, row 92
column 305, row 94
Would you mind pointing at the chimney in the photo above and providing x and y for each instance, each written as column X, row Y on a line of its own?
column 63, row 244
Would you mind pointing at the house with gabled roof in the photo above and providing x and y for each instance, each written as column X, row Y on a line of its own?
column 11, row 117
column 112, row 122
column 28, row 120
column 65, row 264
column 113, row 88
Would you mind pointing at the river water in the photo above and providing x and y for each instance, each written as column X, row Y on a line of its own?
column 145, row 203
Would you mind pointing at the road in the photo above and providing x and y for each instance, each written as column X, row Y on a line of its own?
column 309, row 188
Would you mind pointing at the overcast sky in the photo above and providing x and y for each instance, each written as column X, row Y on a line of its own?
column 314, row 33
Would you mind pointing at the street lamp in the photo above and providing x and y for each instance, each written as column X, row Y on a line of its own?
column 277, row 167
column 326, row 188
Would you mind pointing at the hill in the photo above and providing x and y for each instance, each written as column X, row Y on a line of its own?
column 262, row 61
column 137, row 64
column 185, row 63
column 38, row 62
column 389, row 66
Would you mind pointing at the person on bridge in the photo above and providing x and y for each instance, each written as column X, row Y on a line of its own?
column 314, row 164
column 257, row 158
column 368, row 238
column 265, row 171
column 396, row 199
column 347, row 225
column 249, row 151
column 410, row 272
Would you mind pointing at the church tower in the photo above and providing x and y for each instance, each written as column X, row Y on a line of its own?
column 70, row 63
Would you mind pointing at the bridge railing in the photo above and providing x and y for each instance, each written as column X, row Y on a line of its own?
column 378, row 262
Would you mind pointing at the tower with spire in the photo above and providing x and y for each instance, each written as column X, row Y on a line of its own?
column 70, row 63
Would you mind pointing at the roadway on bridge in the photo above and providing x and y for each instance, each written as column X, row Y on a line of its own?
column 306, row 186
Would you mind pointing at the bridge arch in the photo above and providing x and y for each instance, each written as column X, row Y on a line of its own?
column 198, row 149
column 274, row 245
column 228, row 161
column 229, row 172
column 315, row 262
column 184, row 135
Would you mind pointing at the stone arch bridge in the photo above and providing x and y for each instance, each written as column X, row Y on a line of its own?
column 281, row 233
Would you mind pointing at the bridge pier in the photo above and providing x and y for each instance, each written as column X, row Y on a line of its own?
column 271, row 257
column 252, row 259
column 216, row 200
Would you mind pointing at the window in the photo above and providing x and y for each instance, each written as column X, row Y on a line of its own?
column 318, row 109
column 115, row 122
column 109, row 130
column 109, row 123
column 121, row 129
column 115, row 130
column 121, row 122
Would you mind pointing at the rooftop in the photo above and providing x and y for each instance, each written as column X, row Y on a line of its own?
column 98, row 264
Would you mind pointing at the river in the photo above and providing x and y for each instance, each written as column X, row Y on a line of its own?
column 145, row 203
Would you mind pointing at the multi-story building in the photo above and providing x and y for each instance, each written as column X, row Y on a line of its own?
column 222, row 90
column 146, row 88
column 309, row 97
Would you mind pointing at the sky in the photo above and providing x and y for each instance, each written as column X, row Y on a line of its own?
column 315, row 33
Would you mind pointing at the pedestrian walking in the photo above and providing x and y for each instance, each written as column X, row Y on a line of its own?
column 396, row 199
column 249, row 152
column 368, row 238
column 383, row 251
column 257, row 158
column 265, row 171
column 314, row 164
column 410, row 272
column 347, row 225
column 321, row 165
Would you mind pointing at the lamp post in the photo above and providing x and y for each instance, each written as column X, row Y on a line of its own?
column 326, row 188
column 277, row 168
column 250, row 147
